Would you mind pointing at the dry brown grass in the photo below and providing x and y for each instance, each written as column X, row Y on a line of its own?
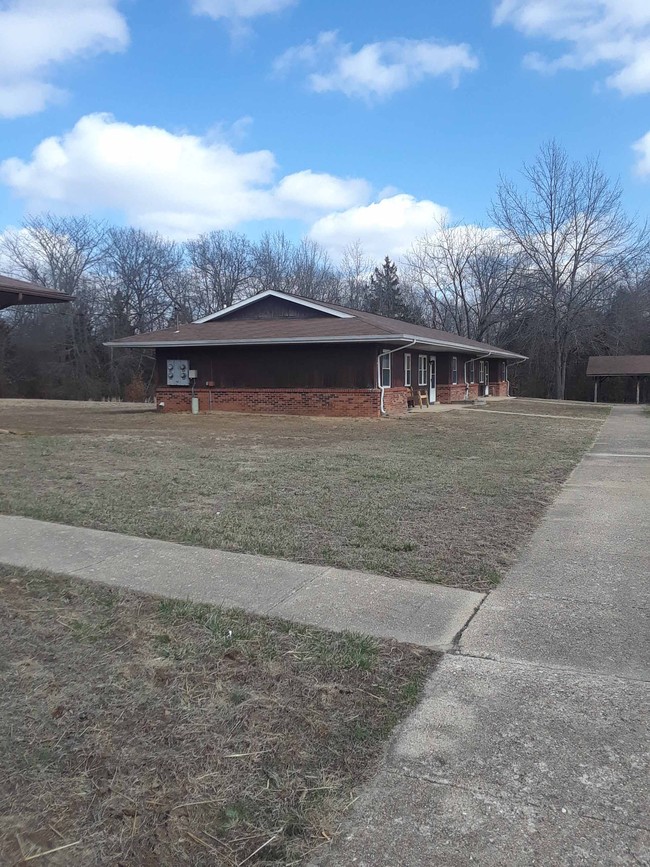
column 445, row 497
column 571, row 409
column 156, row 732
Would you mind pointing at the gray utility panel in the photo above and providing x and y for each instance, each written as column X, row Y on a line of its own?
column 178, row 372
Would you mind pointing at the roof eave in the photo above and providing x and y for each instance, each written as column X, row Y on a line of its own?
column 361, row 338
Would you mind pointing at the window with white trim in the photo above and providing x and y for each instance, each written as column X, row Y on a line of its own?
column 481, row 371
column 423, row 369
column 407, row 369
column 454, row 370
column 472, row 372
column 384, row 366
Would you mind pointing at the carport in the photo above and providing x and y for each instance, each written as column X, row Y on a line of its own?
column 636, row 367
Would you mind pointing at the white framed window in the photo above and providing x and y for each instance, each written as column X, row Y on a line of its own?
column 407, row 369
column 384, row 368
column 454, row 370
column 423, row 369
column 472, row 372
column 481, row 371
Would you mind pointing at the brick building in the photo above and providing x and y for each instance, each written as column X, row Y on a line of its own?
column 281, row 353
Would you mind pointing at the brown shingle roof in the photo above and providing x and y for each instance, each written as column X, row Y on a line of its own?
column 619, row 365
column 358, row 326
column 15, row 292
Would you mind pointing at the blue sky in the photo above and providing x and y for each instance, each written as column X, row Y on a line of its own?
column 339, row 120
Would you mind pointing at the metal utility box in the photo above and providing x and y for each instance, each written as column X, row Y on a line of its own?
column 178, row 372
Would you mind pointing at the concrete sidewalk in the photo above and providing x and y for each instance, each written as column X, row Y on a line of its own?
column 410, row 611
column 531, row 743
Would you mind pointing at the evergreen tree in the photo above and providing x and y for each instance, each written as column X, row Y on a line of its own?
column 386, row 296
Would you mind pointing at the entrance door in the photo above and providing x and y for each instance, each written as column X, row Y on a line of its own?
column 432, row 379
column 486, row 391
column 483, row 378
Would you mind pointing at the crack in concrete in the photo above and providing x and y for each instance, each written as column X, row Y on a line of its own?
column 541, row 804
column 565, row 669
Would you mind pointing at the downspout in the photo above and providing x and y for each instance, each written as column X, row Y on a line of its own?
column 478, row 358
column 508, row 363
column 379, row 357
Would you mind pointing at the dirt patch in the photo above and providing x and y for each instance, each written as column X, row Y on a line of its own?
column 139, row 731
column 445, row 497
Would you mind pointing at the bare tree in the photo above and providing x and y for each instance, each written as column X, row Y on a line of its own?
column 141, row 275
column 577, row 243
column 355, row 270
column 56, row 251
column 467, row 276
column 221, row 270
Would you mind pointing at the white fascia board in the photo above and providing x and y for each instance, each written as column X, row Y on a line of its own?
column 264, row 341
column 313, row 305
column 468, row 350
column 364, row 338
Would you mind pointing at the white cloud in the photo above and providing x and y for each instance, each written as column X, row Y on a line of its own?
column 611, row 32
column 178, row 184
column 642, row 149
column 311, row 190
column 387, row 227
column 377, row 70
column 37, row 35
column 239, row 10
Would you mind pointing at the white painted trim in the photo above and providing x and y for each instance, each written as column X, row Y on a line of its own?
column 422, row 355
column 386, row 353
column 364, row 338
column 453, row 369
column 433, row 392
column 408, row 369
column 313, row 305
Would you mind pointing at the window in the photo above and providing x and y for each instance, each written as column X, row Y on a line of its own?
column 454, row 370
column 472, row 372
column 422, row 369
column 407, row 369
column 385, row 371
column 504, row 371
column 481, row 371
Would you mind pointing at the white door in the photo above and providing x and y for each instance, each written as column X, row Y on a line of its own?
column 432, row 379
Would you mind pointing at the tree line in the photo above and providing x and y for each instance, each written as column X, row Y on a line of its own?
column 561, row 273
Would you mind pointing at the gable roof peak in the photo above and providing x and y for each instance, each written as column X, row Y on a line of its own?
column 275, row 293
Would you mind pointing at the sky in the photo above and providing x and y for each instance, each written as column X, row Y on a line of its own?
column 343, row 121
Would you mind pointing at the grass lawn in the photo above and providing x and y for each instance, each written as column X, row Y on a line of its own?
column 149, row 732
column 445, row 497
column 551, row 407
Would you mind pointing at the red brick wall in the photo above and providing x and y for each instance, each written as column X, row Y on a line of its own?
column 499, row 389
column 396, row 400
column 454, row 393
column 288, row 401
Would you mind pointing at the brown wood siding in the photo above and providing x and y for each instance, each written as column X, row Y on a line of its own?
column 443, row 366
column 274, row 308
column 324, row 366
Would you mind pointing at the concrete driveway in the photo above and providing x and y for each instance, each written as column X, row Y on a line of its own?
column 531, row 744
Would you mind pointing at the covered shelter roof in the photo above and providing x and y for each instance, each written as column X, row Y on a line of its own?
column 15, row 292
column 618, row 365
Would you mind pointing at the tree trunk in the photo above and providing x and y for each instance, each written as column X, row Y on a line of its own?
column 560, row 372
